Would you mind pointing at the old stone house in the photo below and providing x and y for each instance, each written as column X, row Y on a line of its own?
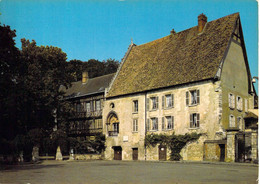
column 197, row 80
column 87, row 97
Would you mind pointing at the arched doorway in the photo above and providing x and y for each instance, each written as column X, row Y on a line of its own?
column 112, row 124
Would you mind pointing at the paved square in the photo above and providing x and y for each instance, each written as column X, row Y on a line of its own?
column 127, row 172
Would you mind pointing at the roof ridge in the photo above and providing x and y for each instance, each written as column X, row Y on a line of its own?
column 185, row 30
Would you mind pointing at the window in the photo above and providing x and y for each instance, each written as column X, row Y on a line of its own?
column 98, row 105
column 239, row 103
column 192, row 97
column 78, row 107
column 167, row 101
column 154, row 123
column 232, row 122
column 135, row 125
column 231, row 100
column 88, row 107
column 169, row 122
column 240, row 123
column 246, row 107
column 135, row 106
column 98, row 123
column 154, row 101
column 194, row 120
column 116, row 127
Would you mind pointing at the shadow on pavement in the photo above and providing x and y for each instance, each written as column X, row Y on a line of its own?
column 27, row 166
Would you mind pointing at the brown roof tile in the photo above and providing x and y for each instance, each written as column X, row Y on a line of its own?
column 180, row 58
column 94, row 85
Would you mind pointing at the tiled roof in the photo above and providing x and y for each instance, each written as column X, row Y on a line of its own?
column 94, row 85
column 176, row 59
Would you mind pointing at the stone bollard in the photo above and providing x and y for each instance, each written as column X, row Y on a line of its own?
column 35, row 154
column 71, row 155
column 58, row 154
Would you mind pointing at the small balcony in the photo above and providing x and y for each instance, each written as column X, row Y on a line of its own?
column 113, row 133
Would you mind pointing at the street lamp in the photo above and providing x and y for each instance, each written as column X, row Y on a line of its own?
column 254, row 79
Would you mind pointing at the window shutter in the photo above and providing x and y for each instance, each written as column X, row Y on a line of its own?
column 163, row 125
column 147, row 104
column 157, row 102
column 191, row 122
column 148, row 125
column 229, row 100
column 172, row 100
column 241, row 105
column 172, row 122
column 156, row 124
column 101, row 104
column 162, row 102
column 198, row 96
column 198, row 120
column 245, row 105
column 187, row 98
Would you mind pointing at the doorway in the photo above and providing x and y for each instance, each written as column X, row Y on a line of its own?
column 135, row 153
column 222, row 152
column 162, row 152
column 117, row 153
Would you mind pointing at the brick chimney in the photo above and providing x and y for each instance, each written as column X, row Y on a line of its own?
column 202, row 20
column 84, row 77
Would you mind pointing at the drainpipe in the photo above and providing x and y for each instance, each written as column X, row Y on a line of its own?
column 145, row 130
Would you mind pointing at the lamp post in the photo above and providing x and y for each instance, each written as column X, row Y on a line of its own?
column 254, row 79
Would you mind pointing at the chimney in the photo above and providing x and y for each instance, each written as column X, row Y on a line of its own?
column 202, row 20
column 173, row 32
column 84, row 77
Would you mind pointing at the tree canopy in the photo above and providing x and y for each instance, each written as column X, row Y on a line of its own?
column 30, row 80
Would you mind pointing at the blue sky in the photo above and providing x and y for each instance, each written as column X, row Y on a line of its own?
column 103, row 29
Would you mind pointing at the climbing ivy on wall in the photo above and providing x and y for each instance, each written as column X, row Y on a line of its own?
column 174, row 142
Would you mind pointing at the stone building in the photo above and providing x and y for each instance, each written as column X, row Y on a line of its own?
column 197, row 80
column 87, row 97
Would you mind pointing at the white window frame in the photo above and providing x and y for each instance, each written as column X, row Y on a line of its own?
column 232, row 121
column 98, row 105
column 239, row 103
column 154, row 102
column 154, row 124
column 135, row 106
column 193, row 97
column 168, row 101
column 88, row 108
column 194, row 120
column 231, row 100
column 135, row 125
column 170, row 122
column 240, row 122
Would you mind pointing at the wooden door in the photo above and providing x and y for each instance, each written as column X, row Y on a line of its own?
column 118, row 153
column 135, row 153
column 162, row 152
column 222, row 152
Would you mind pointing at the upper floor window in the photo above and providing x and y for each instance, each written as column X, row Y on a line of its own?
column 192, row 97
column 232, row 122
column 240, row 123
column 231, row 100
column 88, row 106
column 98, row 105
column 194, row 120
column 154, row 103
column 167, row 101
column 135, row 106
column 239, row 103
column 135, row 125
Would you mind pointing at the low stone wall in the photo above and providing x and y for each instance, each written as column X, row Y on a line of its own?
column 88, row 157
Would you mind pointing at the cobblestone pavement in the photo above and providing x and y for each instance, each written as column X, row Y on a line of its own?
column 127, row 172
